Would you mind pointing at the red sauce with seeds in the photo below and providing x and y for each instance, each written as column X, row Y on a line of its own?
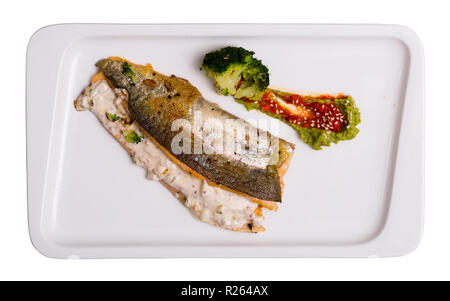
column 310, row 113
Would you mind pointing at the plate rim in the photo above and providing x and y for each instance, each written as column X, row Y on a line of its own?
column 402, row 238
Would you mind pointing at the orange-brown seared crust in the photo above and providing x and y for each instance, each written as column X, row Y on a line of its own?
column 98, row 77
column 254, row 229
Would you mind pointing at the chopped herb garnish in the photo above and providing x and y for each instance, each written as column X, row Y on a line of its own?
column 129, row 73
column 133, row 137
column 112, row 117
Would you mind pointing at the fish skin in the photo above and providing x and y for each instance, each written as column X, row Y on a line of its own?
column 156, row 100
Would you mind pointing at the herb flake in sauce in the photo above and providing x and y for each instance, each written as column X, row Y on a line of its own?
column 132, row 137
column 112, row 117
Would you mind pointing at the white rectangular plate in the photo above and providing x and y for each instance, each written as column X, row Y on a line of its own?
column 355, row 199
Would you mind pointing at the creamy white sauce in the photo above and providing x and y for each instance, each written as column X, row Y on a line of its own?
column 210, row 204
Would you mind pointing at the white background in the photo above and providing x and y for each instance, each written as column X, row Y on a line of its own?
column 20, row 261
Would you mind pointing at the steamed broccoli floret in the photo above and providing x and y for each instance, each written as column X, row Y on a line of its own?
column 236, row 72
column 227, row 81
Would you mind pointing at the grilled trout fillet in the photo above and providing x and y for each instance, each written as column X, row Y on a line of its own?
column 156, row 102
column 207, row 203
